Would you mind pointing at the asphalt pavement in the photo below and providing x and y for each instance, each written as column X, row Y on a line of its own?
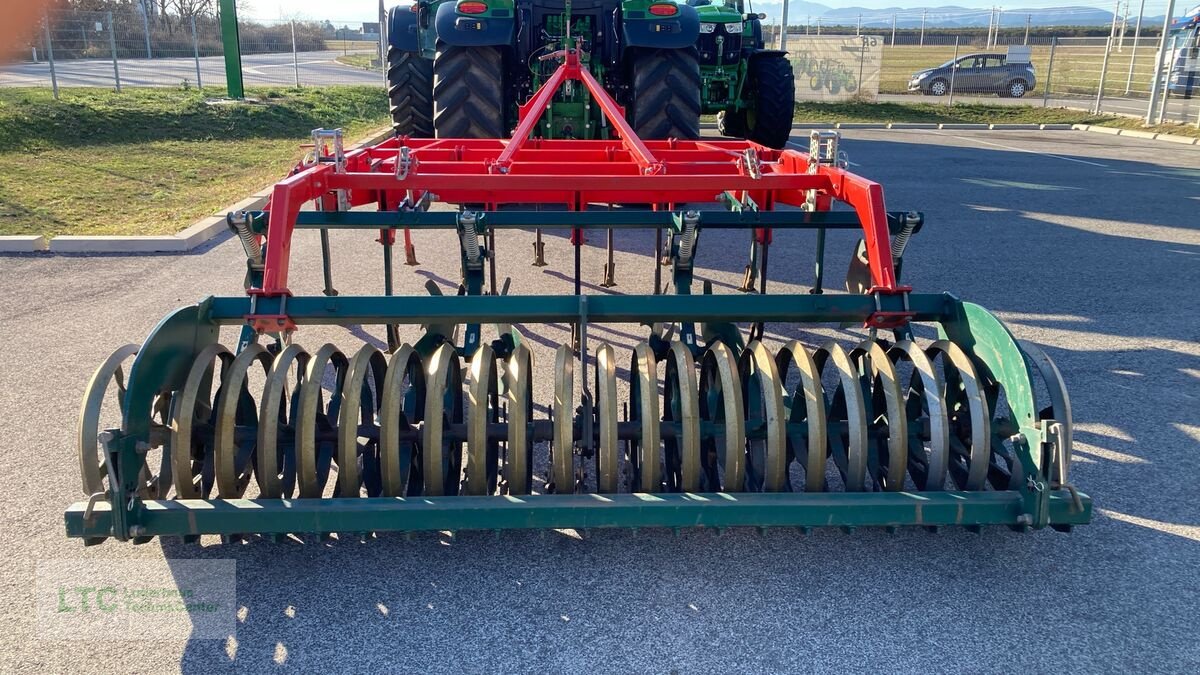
column 1088, row 245
column 312, row 68
column 322, row 68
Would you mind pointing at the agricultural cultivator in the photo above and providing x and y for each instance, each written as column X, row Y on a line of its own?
column 461, row 68
column 972, row 428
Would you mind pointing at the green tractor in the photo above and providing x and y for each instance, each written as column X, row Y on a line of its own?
column 462, row 68
column 751, row 89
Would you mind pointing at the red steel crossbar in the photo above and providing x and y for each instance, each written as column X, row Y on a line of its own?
column 575, row 174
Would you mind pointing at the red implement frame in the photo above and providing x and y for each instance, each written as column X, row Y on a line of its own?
column 528, row 170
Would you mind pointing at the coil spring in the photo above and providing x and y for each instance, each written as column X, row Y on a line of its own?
column 726, row 422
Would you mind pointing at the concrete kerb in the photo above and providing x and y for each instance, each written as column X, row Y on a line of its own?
column 194, row 236
column 1137, row 133
column 22, row 243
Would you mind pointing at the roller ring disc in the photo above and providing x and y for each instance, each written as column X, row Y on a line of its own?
column 480, row 395
column 366, row 359
column 229, row 484
column 926, row 384
column 883, row 374
column 563, row 452
column 517, row 467
column 720, row 358
column 443, row 366
column 93, row 472
column 275, row 391
column 689, row 419
column 795, row 354
column 981, row 435
column 608, row 465
column 404, row 362
column 306, row 423
column 182, row 422
column 856, row 452
column 756, row 363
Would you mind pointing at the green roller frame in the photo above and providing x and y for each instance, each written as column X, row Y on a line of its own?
column 162, row 364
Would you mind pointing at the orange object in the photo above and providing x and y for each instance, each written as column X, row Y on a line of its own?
column 22, row 19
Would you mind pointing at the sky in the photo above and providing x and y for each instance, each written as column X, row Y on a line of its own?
column 366, row 10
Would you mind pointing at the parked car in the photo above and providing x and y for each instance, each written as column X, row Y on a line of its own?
column 977, row 74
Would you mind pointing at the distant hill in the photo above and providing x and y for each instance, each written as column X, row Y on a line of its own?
column 950, row 16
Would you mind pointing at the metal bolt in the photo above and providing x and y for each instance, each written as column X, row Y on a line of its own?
column 137, row 531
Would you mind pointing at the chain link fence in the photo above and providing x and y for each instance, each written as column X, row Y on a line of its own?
column 1111, row 75
column 128, row 49
column 1099, row 74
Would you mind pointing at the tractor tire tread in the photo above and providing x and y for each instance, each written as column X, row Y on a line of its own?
column 775, row 100
column 468, row 92
column 410, row 93
column 666, row 94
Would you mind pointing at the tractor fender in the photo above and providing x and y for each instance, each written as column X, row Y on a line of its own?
column 761, row 53
column 675, row 32
column 402, row 29
column 472, row 31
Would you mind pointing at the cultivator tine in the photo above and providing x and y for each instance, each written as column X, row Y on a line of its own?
column 410, row 249
column 539, row 249
column 610, row 267
column 716, row 430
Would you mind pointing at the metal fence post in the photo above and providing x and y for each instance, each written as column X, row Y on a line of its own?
column 50, row 58
column 1103, row 74
column 295, row 56
column 1049, row 72
column 383, row 42
column 1155, row 87
column 112, row 45
column 196, row 53
column 953, row 68
column 146, row 28
column 1137, row 34
column 862, row 61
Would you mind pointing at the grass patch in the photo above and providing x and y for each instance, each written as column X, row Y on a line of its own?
column 970, row 113
column 361, row 61
column 152, row 161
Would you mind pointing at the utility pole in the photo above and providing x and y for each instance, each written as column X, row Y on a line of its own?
column 923, row 12
column 783, row 28
column 991, row 19
column 1137, row 34
column 1028, row 23
column 858, row 30
column 818, row 26
column 893, row 30
column 808, row 25
column 1116, row 10
column 1156, row 83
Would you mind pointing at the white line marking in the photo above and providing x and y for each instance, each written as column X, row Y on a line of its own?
column 1032, row 152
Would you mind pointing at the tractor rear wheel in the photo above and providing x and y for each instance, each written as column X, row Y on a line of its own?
column 666, row 94
column 774, row 89
column 410, row 93
column 468, row 92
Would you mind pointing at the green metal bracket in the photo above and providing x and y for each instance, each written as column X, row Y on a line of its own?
column 233, row 49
